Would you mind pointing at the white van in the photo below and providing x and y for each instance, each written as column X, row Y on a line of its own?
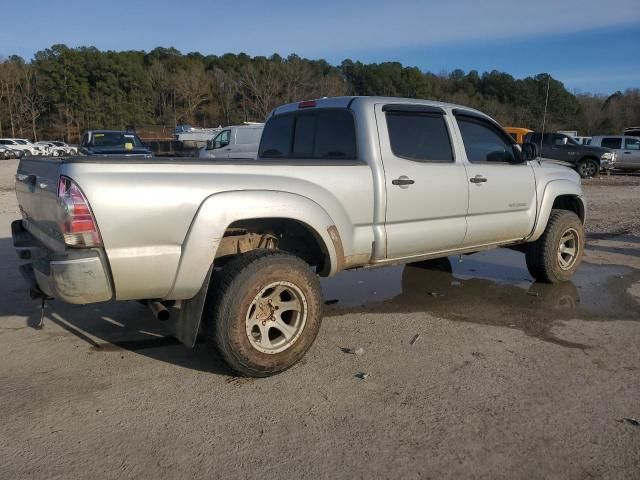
column 238, row 141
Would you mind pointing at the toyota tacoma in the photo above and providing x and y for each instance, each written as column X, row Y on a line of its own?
column 234, row 248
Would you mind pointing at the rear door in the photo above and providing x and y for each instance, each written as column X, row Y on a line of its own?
column 426, row 186
column 502, row 197
column 631, row 153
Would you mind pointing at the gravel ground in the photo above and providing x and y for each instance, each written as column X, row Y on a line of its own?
column 479, row 374
column 614, row 204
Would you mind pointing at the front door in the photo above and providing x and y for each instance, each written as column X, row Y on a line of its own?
column 221, row 145
column 427, row 194
column 502, row 196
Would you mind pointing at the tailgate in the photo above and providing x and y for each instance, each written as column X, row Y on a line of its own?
column 37, row 193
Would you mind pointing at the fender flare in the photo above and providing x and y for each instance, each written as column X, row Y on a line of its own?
column 553, row 190
column 220, row 210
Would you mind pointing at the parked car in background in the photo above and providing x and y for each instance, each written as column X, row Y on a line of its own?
column 238, row 141
column 632, row 131
column 587, row 160
column 113, row 143
column 7, row 153
column 68, row 149
column 52, row 149
column 32, row 147
column 339, row 183
column 13, row 144
column 627, row 149
column 183, row 129
column 517, row 133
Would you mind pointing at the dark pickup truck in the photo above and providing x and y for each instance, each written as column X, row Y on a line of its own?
column 587, row 160
column 113, row 142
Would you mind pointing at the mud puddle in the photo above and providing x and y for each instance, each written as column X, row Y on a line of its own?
column 491, row 288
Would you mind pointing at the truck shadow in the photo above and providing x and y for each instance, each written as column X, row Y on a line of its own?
column 491, row 288
column 108, row 327
column 624, row 243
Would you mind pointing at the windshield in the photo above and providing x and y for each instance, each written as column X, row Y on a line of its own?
column 115, row 139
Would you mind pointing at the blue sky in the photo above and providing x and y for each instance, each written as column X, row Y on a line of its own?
column 591, row 46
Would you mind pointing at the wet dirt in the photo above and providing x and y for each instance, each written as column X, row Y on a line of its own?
column 491, row 288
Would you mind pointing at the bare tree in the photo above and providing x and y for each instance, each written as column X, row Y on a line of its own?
column 226, row 87
column 261, row 84
column 191, row 88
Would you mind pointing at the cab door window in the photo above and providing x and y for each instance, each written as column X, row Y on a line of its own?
column 612, row 142
column 221, row 140
column 483, row 142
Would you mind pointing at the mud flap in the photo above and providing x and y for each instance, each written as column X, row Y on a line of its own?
column 191, row 314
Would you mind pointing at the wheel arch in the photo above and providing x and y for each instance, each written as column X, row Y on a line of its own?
column 559, row 194
column 221, row 212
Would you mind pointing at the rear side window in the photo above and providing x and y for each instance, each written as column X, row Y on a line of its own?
column 419, row 136
column 611, row 143
column 483, row 143
column 631, row 144
column 320, row 134
column 335, row 135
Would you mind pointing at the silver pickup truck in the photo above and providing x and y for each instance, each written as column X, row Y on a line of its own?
column 339, row 183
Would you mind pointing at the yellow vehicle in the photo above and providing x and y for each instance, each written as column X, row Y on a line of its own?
column 517, row 133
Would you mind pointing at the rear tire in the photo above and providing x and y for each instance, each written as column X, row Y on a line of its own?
column 556, row 255
column 588, row 168
column 266, row 312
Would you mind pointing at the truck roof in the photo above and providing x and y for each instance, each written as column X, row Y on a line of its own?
column 346, row 102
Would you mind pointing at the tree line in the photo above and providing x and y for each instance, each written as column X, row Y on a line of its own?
column 64, row 91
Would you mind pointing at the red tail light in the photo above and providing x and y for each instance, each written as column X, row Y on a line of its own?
column 77, row 223
column 307, row 104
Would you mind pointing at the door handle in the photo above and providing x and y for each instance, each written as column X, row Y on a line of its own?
column 478, row 179
column 627, row 153
column 403, row 181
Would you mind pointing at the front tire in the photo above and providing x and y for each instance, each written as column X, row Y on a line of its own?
column 588, row 168
column 266, row 312
column 556, row 255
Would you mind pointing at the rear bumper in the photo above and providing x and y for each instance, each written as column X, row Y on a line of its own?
column 73, row 276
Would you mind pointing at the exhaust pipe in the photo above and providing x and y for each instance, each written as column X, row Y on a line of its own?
column 158, row 310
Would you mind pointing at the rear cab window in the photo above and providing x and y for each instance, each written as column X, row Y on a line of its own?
column 328, row 134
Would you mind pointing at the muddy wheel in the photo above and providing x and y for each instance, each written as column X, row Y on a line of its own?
column 556, row 255
column 588, row 168
column 266, row 312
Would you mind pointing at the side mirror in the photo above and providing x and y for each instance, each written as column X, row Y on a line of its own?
column 529, row 151
column 209, row 144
